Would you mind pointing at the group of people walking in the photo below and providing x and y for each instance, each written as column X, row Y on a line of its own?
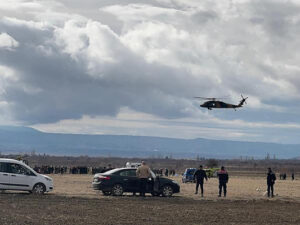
column 223, row 177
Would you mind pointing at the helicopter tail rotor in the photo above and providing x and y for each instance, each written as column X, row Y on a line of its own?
column 243, row 101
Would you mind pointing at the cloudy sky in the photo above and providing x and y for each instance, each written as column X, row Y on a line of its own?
column 133, row 67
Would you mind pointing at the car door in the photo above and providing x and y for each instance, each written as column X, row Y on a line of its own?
column 152, row 183
column 130, row 180
column 20, row 178
column 4, row 175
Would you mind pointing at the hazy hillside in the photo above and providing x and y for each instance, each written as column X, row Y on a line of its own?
column 23, row 139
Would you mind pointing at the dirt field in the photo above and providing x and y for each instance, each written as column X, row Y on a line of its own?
column 74, row 202
column 239, row 188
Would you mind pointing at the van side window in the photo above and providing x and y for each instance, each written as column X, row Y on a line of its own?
column 19, row 169
column 3, row 167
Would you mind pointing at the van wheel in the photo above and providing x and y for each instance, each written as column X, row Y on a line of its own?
column 167, row 191
column 39, row 189
column 117, row 190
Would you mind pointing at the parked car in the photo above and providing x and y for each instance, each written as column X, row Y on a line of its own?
column 16, row 175
column 120, row 180
column 188, row 175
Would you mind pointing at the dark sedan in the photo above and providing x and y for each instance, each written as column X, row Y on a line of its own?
column 117, row 181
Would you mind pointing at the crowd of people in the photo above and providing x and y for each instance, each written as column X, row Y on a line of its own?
column 70, row 170
column 49, row 169
column 164, row 172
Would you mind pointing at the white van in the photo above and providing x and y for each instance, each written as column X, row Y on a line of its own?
column 16, row 175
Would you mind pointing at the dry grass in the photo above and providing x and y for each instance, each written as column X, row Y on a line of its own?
column 239, row 188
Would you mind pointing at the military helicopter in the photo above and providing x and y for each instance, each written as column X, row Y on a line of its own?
column 215, row 103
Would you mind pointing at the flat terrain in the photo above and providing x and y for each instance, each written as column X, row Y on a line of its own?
column 74, row 202
column 239, row 188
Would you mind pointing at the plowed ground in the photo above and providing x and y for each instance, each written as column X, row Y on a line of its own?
column 74, row 202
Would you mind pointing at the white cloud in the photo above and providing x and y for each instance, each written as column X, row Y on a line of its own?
column 7, row 73
column 7, row 41
column 73, row 60
column 12, row 5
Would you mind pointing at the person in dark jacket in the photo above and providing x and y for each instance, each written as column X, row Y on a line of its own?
column 223, row 180
column 199, row 176
column 271, row 177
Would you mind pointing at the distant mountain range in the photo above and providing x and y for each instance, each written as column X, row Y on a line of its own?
column 27, row 140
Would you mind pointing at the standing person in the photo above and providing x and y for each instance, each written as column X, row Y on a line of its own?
column 166, row 172
column 271, row 177
column 293, row 176
column 199, row 176
column 223, row 180
column 143, row 173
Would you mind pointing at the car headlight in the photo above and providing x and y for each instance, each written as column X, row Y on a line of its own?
column 175, row 182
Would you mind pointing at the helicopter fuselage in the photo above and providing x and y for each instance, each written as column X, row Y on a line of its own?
column 218, row 104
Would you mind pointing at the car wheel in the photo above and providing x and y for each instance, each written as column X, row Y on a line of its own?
column 39, row 189
column 117, row 190
column 106, row 193
column 167, row 191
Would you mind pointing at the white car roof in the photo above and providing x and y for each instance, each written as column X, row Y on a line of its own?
column 16, row 161
column 10, row 160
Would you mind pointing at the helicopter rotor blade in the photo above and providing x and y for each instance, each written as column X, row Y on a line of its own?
column 212, row 99
column 206, row 98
